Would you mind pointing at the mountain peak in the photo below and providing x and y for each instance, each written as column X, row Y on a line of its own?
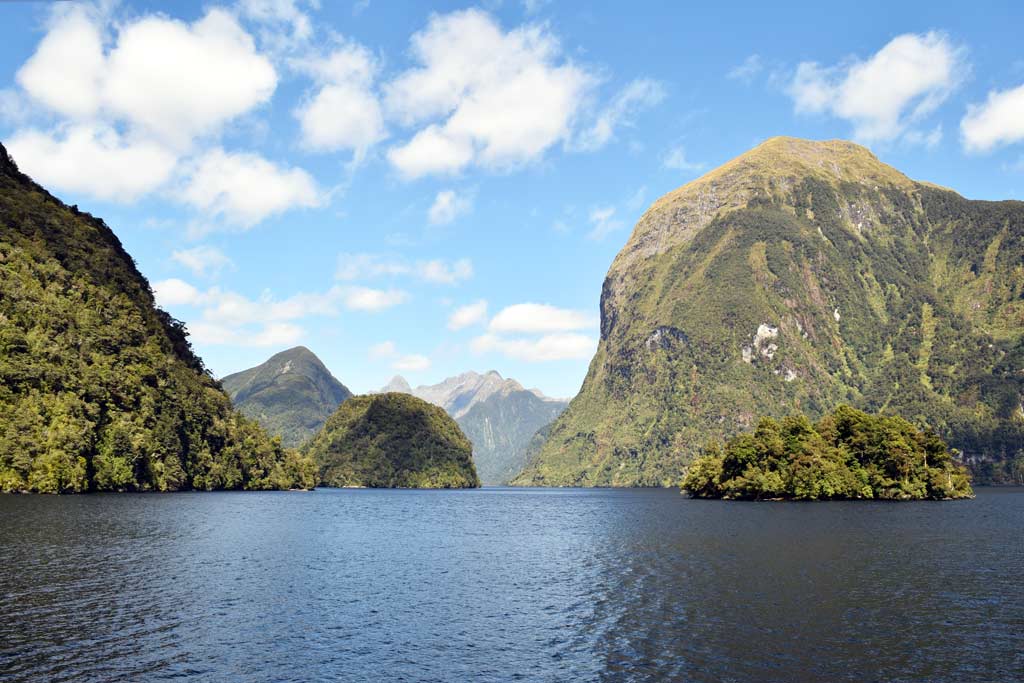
column 398, row 384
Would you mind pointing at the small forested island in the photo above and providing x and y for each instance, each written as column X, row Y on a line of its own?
column 392, row 440
column 848, row 454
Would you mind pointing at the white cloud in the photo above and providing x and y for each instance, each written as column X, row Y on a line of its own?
column 284, row 27
column 470, row 314
column 272, row 334
column 385, row 349
column 531, row 317
column 641, row 94
column 244, row 189
column 175, row 292
column 92, row 159
column 550, row 347
column 368, row 299
column 447, row 207
column 604, row 221
column 65, row 73
column 676, row 160
column 747, row 70
column 412, row 362
column 998, row 121
column 202, row 260
column 131, row 111
column 493, row 98
column 344, row 114
column 231, row 308
column 363, row 266
column 179, row 81
column 884, row 95
column 439, row 272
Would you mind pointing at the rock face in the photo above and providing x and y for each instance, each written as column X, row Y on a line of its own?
column 99, row 389
column 797, row 277
column 498, row 415
column 291, row 395
column 392, row 440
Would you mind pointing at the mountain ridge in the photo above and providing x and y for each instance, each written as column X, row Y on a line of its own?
column 291, row 394
column 794, row 278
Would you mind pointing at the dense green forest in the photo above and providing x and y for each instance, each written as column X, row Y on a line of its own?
column 393, row 440
column 846, row 454
column 99, row 389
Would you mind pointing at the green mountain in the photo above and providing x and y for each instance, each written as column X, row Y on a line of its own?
column 100, row 389
column 291, row 395
column 392, row 440
column 501, row 427
column 797, row 277
column 498, row 415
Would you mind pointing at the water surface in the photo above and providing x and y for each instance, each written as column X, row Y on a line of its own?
column 508, row 584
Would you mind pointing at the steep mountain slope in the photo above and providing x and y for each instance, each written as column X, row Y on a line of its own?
column 396, row 385
column 99, row 389
column 392, row 441
column 498, row 415
column 291, row 395
column 796, row 277
column 501, row 427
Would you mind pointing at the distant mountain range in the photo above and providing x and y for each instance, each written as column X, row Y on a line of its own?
column 498, row 415
column 291, row 395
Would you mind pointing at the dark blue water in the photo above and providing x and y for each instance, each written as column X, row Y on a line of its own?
column 504, row 584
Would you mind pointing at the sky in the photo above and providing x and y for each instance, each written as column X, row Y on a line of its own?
column 423, row 190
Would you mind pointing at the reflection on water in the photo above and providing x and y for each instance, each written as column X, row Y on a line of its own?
column 505, row 584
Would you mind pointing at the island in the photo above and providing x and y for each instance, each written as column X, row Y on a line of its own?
column 392, row 440
column 848, row 454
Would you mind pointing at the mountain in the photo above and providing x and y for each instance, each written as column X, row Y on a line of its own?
column 291, row 395
column 99, row 388
column 392, row 440
column 498, row 415
column 396, row 385
column 797, row 277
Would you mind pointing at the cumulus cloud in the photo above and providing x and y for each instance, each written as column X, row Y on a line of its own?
column 369, row 299
column 997, row 121
column 272, row 334
column 243, row 189
column 92, row 159
column 343, row 113
column 886, row 94
column 179, row 81
column 488, row 97
column 447, row 207
column 530, row 317
column 550, row 347
column 365, row 266
column 470, row 314
column 202, row 260
column 283, row 25
column 641, row 94
column 66, row 71
column 135, row 96
column 231, row 308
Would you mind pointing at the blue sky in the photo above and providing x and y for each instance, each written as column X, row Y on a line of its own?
column 425, row 190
